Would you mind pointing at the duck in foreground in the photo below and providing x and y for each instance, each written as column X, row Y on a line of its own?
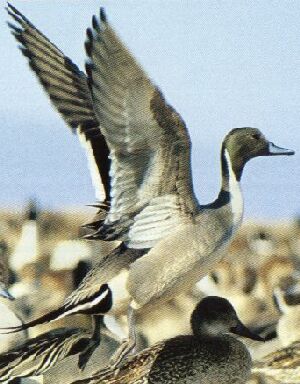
column 209, row 355
column 168, row 240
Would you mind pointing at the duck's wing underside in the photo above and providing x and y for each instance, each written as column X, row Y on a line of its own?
column 37, row 355
column 67, row 88
column 151, row 186
column 135, row 370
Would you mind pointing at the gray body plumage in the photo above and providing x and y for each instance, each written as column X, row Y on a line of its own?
column 184, row 257
column 177, row 269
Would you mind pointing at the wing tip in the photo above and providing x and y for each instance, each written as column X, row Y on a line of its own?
column 88, row 48
column 89, row 42
column 13, row 28
column 95, row 23
column 17, row 15
column 10, row 8
column 103, row 16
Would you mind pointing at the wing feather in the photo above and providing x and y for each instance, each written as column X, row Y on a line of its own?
column 68, row 91
column 148, row 141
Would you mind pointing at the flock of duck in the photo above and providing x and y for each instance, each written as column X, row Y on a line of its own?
column 140, row 156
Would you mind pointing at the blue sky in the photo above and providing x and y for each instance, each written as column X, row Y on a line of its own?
column 221, row 64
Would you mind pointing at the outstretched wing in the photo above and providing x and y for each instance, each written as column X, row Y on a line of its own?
column 149, row 145
column 67, row 88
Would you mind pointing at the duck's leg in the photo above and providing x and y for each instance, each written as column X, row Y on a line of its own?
column 128, row 346
column 94, row 342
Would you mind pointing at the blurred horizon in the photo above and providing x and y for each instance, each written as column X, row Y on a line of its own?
column 220, row 64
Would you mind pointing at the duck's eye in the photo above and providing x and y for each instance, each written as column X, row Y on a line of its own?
column 255, row 136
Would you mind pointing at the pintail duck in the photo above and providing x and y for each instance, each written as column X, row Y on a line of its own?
column 209, row 355
column 168, row 240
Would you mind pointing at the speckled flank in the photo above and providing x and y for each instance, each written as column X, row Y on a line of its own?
column 187, row 359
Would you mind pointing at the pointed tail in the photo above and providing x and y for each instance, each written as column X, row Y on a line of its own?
column 50, row 316
column 96, row 304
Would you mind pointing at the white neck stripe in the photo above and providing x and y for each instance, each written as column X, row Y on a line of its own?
column 236, row 197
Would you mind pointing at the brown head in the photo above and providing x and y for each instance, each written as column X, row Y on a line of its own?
column 243, row 144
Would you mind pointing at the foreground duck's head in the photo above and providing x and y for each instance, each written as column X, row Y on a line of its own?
column 215, row 316
column 242, row 144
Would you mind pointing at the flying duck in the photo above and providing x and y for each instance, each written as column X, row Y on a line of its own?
column 168, row 240
column 209, row 355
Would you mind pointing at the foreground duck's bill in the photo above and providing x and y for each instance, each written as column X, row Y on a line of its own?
column 243, row 331
column 274, row 150
column 4, row 293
